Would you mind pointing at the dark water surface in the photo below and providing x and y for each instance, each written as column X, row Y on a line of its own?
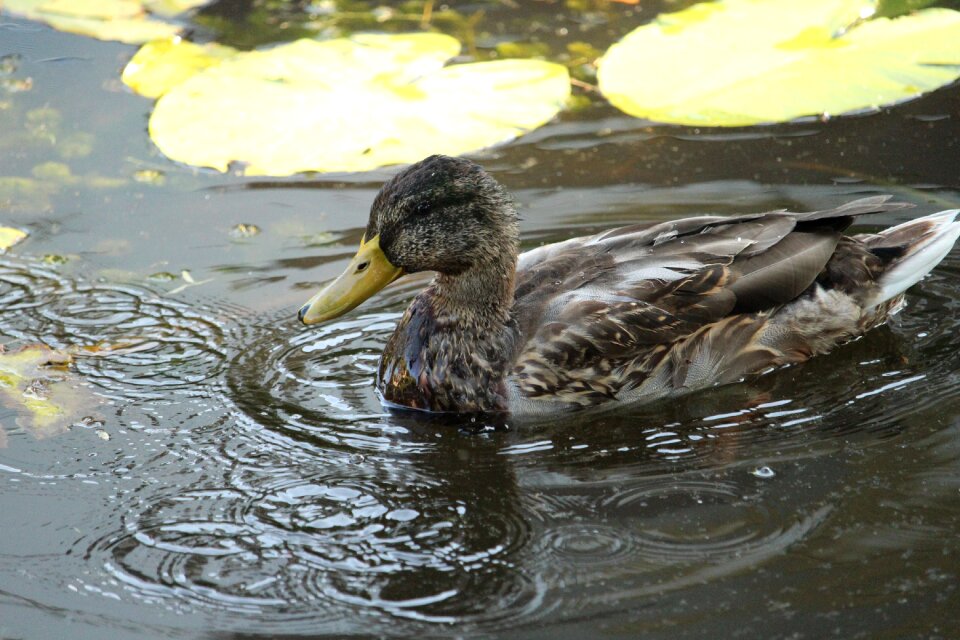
column 252, row 485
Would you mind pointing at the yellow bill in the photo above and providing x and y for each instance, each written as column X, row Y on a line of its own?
column 367, row 273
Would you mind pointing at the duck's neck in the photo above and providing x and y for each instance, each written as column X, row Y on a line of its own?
column 453, row 347
column 482, row 295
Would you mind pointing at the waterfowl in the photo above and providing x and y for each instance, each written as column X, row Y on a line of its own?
column 633, row 314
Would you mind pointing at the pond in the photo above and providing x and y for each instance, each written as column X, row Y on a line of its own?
column 242, row 480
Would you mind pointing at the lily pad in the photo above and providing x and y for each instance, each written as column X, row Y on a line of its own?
column 160, row 65
column 745, row 62
column 36, row 383
column 129, row 21
column 352, row 104
column 9, row 237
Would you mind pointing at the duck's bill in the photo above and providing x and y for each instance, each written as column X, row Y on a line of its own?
column 367, row 273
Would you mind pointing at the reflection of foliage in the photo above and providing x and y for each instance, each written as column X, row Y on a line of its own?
column 893, row 8
column 259, row 22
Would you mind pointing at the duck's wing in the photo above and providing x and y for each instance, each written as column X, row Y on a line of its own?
column 597, row 314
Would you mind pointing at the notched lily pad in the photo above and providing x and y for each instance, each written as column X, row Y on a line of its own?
column 746, row 62
column 36, row 383
column 350, row 104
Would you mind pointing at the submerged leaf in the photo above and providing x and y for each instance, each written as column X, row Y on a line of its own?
column 35, row 382
column 352, row 105
column 19, row 194
column 745, row 62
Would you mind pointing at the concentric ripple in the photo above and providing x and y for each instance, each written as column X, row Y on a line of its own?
column 695, row 522
column 315, row 386
column 253, row 471
column 143, row 345
column 588, row 545
column 152, row 344
column 27, row 286
column 323, row 548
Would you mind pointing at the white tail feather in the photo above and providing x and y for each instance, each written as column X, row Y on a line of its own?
column 931, row 247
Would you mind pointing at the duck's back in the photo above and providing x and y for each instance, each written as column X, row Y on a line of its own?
column 657, row 309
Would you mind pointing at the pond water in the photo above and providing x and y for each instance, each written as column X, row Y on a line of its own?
column 247, row 483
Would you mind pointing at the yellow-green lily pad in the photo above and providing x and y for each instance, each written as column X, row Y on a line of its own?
column 352, row 104
column 36, row 383
column 9, row 237
column 162, row 64
column 129, row 21
column 745, row 62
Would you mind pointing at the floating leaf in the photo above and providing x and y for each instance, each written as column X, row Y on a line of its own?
column 56, row 172
column 77, row 144
column 9, row 237
column 35, row 382
column 162, row 276
column 160, row 65
column 352, row 105
column 149, row 176
column 54, row 259
column 244, row 230
column 127, row 21
column 189, row 281
column 745, row 62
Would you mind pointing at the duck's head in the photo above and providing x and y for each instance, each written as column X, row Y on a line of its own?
column 441, row 214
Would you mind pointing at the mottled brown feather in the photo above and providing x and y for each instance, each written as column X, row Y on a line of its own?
column 635, row 313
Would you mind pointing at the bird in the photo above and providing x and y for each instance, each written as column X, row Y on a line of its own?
column 630, row 315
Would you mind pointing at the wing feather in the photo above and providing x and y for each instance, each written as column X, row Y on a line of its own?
column 612, row 313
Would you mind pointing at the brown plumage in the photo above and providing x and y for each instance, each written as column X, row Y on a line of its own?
column 632, row 314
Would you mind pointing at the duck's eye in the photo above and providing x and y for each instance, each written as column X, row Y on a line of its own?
column 362, row 266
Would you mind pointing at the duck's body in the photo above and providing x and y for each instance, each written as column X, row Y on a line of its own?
column 633, row 314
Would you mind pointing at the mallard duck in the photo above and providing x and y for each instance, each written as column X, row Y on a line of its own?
column 633, row 314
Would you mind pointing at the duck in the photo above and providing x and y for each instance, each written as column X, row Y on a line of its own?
column 633, row 314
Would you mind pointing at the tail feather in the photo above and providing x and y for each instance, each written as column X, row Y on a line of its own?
column 914, row 249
